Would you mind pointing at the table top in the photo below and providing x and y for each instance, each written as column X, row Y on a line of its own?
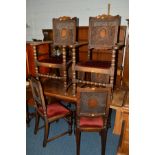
column 54, row 88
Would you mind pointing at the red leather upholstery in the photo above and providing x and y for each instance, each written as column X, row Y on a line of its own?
column 91, row 122
column 55, row 109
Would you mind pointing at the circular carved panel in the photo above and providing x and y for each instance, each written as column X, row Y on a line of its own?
column 92, row 103
column 102, row 33
column 64, row 33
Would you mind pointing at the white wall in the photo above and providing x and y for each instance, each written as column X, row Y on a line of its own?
column 39, row 13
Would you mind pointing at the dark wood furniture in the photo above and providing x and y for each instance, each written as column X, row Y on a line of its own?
column 103, row 38
column 54, row 88
column 29, row 102
column 82, row 36
column 49, row 112
column 42, row 53
column 58, row 60
column 92, row 113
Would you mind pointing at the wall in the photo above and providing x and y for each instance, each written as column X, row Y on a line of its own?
column 39, row 13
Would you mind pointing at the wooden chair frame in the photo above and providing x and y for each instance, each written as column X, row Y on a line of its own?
column 64, row 37
column 103, row 36
column 104, row 113
column 40, row 102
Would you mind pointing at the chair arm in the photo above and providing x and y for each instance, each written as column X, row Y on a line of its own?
column 36, row 43
column 78, row 44
column 118, row 45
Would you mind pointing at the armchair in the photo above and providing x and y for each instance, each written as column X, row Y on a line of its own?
column 103, row 39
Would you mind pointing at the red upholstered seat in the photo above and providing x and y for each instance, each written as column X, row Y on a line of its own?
column 55, row 60
column 55, row 109
column 91, row 122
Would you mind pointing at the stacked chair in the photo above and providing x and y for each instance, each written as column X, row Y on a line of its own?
column 103, row 39
column 60, row 53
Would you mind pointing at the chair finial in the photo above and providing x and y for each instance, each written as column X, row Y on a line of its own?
column 109, row 8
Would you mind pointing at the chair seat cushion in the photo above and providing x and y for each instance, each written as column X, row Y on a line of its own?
column 91, row 122
column 55, row 59
column 55, row 109
column 96, row 64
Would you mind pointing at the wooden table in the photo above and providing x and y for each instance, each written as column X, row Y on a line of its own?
column 54, row 88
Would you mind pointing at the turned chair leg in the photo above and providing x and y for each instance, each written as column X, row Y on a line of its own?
column 46, row 132
column 74, row 116
column 70, row 123
column 36, row 123
column 78, row 139
column 27, row 116
column 109, row 119
column 103, row 141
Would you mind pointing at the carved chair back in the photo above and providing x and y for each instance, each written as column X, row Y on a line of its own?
column 103, row 31
column 93, row 102
column 37, row 93
column 64, row 30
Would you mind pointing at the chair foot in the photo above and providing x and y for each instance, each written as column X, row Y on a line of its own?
column 78, row 139
column 109, row 119
column 70, row 129
column 103, row 141
column 70, row 132
column 27, row 123
column 70, row 124
column 35, row 132
column 36, row 123
column 44, row 144
column 74, row 121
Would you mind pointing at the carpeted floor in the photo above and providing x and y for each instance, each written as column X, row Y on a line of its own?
column 66, row 145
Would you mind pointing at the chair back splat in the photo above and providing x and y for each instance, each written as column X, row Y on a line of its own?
column 64, row 30
column 38, row 94
column 103, row 31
